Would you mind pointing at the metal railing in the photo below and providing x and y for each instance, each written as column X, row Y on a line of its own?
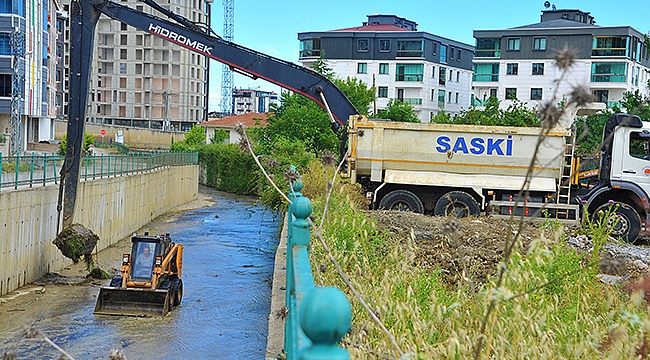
column 318, row 317
column 33, row 170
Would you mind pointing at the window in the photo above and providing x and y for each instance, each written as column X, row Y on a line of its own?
column 512, row 69
column 409, row 48
column 511, row 93
column 451, row 74
column 536, row 94
column 383, row 68
column 362, row 45
column 449, row 99
column 384, row 45
column 538, row 69
column 123, row 39
column 458, row 56
column 123, row 26
column 457, row 76
column 493, row 92
column 486, row 72
column 608, row 72
column 451, row 53
column 310, row 47
column 5, row 85
column 456, row 98
column 488, row 47
column 443, row 53
column 123, row 54
column 435, row 48
column 609, row 46
column 639, row 145
column 441, row 98
column 433, row 72
column 513, row 44
column 382, row 92
column 433, row 94
column 362, row 68
column 442, row 75
column 409, row 72
column 5, row 47
column 122, row 68
column 539, row 43
column 601, row 96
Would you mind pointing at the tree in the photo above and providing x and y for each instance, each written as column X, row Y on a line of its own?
column 517, row 114
column 219, row 136
column 359, row 94
column 88, row 140
column 193, row 139
column 298, row 118
column 397, row 110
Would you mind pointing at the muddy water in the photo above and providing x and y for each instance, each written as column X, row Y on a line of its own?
column 227, row 273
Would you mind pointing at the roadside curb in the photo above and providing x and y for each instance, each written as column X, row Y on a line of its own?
column 275, row 337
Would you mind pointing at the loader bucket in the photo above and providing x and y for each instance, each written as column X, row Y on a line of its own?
column 132, row 302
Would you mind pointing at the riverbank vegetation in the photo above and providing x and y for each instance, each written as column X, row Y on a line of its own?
column 543, row 299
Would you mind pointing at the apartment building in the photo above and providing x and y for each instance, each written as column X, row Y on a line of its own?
column 25, row 32
column 142, row 80
column 518, row 63
column 430, row 72
column 251, row 100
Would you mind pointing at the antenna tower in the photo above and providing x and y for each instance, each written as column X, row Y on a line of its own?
column 16, row 41
column 226, row 74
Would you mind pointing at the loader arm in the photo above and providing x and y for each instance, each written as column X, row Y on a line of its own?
column 84, row 17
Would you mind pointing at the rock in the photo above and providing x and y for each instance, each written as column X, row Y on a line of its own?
column 76, row 241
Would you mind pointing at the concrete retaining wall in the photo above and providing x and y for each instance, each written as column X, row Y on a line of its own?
column 133, row 136
column 113, row 208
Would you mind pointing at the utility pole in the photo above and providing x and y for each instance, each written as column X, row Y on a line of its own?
column 226, row 74
column 16, row 40
column 166, row 120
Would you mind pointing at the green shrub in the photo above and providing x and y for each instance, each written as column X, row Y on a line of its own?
column 229, row 169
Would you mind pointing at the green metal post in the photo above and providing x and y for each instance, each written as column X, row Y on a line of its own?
column 31, row 170
column 17, row 170
column 44, row 168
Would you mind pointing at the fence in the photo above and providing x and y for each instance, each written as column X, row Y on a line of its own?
column 318, row 317
column 42, row 169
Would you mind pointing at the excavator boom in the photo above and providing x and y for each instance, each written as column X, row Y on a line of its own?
column 84, row 17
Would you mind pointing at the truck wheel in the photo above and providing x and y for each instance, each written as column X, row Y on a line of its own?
column 457, row 204
column 178, row 294
column 402, row 200
column 629, row 223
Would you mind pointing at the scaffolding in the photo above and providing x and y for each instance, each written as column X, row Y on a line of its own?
column 16, row 41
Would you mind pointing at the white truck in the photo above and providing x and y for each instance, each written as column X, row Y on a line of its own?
column 465, row 170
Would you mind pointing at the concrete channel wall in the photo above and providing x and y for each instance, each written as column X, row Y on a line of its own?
column 113, row 208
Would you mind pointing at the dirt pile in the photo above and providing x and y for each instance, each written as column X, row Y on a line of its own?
column 465, row 250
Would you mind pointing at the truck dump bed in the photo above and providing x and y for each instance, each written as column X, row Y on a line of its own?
column 423, row 153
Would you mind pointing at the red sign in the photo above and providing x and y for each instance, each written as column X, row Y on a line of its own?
column 102, row 132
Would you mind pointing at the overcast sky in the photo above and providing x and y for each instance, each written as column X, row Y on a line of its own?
column 272, row 26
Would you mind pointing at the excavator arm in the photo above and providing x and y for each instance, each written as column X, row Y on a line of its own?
column 84, row 17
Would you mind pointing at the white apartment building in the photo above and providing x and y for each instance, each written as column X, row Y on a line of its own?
column 519, row 62
column 428, row 71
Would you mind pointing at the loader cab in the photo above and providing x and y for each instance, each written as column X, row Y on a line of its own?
column 144, row 251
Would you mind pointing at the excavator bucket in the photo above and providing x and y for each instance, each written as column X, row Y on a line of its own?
column 133, row 302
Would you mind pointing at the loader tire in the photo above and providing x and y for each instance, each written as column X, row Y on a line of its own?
column 116, row 282
column 458, row 204
column 178, row 293
column 402, row 200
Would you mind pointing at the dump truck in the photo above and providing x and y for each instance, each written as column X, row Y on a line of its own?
column 467, row 170
column 150, row 281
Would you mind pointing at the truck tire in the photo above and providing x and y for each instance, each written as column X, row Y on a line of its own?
column 629, row 221
column 457, row 204
column 402, row 200
column 178, row 294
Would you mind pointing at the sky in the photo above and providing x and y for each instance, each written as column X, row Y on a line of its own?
column 272, row 26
